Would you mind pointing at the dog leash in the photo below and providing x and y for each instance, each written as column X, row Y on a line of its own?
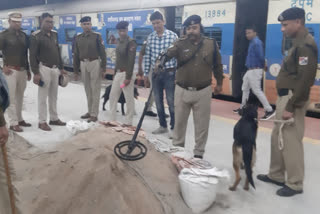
column 280, row 136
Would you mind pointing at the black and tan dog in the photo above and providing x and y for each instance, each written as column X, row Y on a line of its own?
column 244, row 146
column 121, row 100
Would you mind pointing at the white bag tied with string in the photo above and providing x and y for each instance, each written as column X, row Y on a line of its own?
column 198, row 187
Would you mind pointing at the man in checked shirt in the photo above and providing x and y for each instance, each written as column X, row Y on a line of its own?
column 157, row 42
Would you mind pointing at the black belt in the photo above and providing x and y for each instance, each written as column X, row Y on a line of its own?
column 283, row 92
column 192, row 88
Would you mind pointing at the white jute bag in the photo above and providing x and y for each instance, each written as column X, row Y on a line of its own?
column 199, row 187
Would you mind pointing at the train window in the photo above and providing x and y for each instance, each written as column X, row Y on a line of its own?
column 286, row 45
column 311, row 31
column 112, row 36
column 141, row 34
column 70, row 33
column 214, row 32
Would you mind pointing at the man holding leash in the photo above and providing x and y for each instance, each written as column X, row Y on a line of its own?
column 294, row 81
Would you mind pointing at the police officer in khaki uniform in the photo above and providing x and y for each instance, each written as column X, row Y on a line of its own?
column 197, row 58
column 46, row 64
column 148, row 83
column 14, row 46
column 90, row 57
column 294, row 81
column 124, row 79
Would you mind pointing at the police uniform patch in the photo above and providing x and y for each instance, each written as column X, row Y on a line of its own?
column 303, row 60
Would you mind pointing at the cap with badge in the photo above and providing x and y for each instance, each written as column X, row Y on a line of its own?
column 292, row 14
column 15, row 16
column 122, row 25
column 85, row 19
column 192, row 20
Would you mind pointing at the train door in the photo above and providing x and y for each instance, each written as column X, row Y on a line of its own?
column 248, row 12
column 173, row 16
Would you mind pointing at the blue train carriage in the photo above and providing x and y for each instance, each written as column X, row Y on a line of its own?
column 277, row 45
column 218, row 21
column 139, row 29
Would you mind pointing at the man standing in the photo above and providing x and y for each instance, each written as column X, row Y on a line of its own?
column 197, row 57
column 157, row 42
column 90, row 57
column 14, row 46
column 255, row 64
column 148, row 82
column 46, row 64
column 124, row 79
column 294, row 81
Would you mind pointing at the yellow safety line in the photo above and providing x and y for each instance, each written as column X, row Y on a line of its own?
column 262, row 129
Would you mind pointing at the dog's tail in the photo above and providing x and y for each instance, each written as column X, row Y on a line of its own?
column 247, row 150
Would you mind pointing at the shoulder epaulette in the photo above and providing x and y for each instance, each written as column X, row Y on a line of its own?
column 36, row 32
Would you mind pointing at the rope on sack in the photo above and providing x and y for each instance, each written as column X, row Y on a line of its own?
column 280, row 136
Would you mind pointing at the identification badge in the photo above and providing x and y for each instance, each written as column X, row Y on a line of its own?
column 303, row 60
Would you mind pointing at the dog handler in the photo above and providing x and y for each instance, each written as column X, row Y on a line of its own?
column 294, row 81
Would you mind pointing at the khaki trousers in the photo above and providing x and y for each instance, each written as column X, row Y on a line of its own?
column 50, row 77
column 17, row 82
column 152, row 96
column 5, row 207
column 200, row 103
column 91, row 78
column 290, row 159
column 128, row 94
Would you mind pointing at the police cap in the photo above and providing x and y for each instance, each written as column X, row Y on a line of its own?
column 122, row 25
column 15, row 16
column 191, row 20
column 292, row 14
column 85, row 19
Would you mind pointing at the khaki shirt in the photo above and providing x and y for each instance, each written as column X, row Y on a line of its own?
column 197, row 72
column 299, row 69
column 45, row 49
column 14, row 46
column 89, row 46
column 126, row 56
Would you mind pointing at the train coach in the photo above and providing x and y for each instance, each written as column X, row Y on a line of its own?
column 224, row 20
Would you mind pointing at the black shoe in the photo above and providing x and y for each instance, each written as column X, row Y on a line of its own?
column 288, row 192
column 268, row 115
column 265, row 178
column 198, row 156
column 151, row 114
column 236, row 111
